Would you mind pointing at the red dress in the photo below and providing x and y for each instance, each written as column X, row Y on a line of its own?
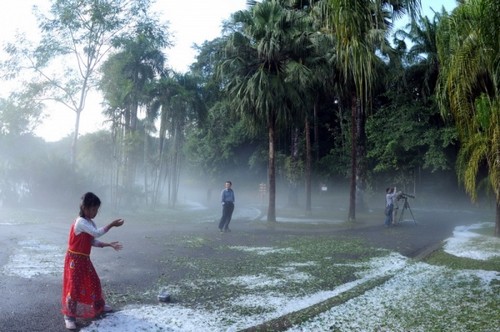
column 82, row 294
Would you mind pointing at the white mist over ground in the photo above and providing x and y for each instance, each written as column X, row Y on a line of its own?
column 415, row 288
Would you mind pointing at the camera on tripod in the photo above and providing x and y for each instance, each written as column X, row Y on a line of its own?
column 404, row 196
column 406, row 206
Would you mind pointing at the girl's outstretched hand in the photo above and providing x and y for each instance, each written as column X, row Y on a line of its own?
column 116, row 245
column 117, row 222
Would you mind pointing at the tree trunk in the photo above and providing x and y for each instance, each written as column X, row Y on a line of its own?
column 115, row 172
column 79, row 110
column 127, row 132
column 308, row 167
column 293, row 195
column 361, row 158
column 497, row 220
column 271, row 171
column 161, row 165
column 146, row 168
column 174, row 179
column 132, row 159
column 176, row 166
column 316, row 131
column 75, row 138
column 352, row 196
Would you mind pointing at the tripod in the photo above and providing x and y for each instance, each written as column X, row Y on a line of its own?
column 406, row 206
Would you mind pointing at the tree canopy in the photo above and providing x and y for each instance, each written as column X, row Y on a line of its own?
column 300, row 92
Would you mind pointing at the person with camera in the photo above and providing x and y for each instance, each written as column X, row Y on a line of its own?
column 390, row 195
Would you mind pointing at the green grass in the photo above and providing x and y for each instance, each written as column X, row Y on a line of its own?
column 329, row 263
column 326, row 264
column 440, row 257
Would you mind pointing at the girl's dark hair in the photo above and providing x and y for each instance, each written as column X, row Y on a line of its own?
column 89, row 200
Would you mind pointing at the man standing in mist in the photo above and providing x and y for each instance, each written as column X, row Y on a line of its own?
column 227, row 200
column 390, row 195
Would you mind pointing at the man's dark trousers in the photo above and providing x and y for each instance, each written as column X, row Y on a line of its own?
column 227, row 213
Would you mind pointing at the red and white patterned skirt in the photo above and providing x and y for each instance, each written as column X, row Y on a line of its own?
column 82, row 293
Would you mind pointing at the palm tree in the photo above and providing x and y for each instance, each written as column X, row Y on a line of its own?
column 469, row 52
column 176, row 102
column 126, row 78
column 261, row 61
column 317, row 55
column 423, row 54
column 361, row 27
column 318, row 91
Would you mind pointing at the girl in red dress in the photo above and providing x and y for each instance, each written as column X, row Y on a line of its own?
column 82, row 294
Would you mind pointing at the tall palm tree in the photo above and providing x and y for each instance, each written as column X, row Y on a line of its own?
column 176, row 102
column 423, row 54
column 361, row 28
column 127, row 75
column 468, row 89
column 261, row 61
column 317, row 55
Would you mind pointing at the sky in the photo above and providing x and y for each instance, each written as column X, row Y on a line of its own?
column 191, row 22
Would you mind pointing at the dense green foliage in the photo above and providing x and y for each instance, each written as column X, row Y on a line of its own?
column 297, row 92
column 468, row 89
